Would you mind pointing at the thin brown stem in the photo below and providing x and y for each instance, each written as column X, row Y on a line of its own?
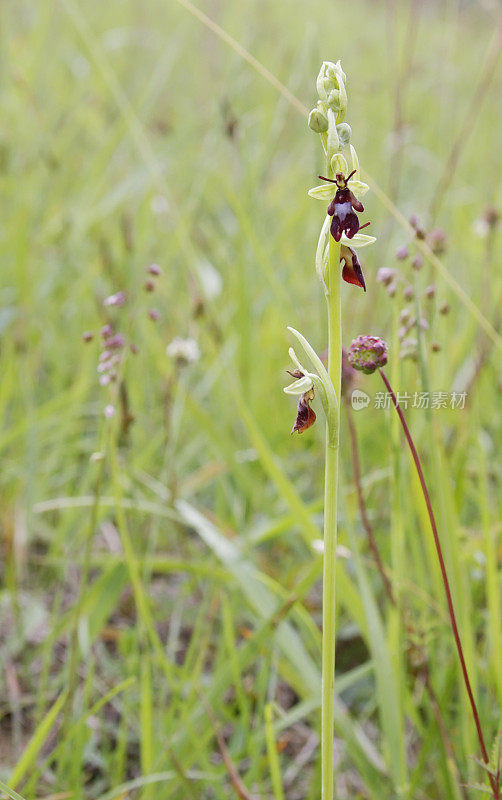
column 446, row 582
column 233, row 774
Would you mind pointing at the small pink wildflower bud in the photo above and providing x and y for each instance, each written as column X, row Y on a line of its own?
column 117, row 299
column 444, row 309
column 417, row 263
column 115, row 342
column 415, row 224
column 87, row 336
column 408, row 293
column 409, row 348
column 430, row 292
column 154, row 269
column 106, row 331
column 134, row 348
column 154, row 314
column 149, row 286
column 104, row 380
column 402, row 253
column 392, row 289
column 367, row 354
column 109, row 411
column 385, row 275
column 405, row 316
column 437, row 241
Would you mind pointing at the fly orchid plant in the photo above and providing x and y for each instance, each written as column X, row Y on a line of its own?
column 339, row 238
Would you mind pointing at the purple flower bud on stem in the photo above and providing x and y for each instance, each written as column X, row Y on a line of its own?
column 367, row 353
column 115, row 342
column 385, row 275
column 154, row 269
column 87, row 336
column 117, row 299
column 106, row 331
column 402, row 253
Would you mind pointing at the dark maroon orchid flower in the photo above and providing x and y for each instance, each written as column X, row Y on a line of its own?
column 343, row 207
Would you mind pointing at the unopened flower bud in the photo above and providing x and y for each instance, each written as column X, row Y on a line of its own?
column 154, row 314
column 106, row 331
column 430, row 292
column 409, row 348
column 385, row 275
column 109, row 411
column 444, row 309
column 339, row 164
column 334, row 100
column 149, row 286
column 417, row 263
column 87, row 336
column 344, row 133
column 367, row 353
column 392, row 289
column 408, row 293
column 117, row 299
column 317, row 121
column 405, row 316
column 437, row 241
column 402, row 253
column 415, row 224
column 435, row 347
column 115, row 342
column 154, row 269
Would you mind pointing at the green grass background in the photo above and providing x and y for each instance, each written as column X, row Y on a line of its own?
column 132, row 134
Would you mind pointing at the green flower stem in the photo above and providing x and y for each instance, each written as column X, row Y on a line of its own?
column 330, row 524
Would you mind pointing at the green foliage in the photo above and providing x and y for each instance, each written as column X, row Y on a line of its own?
column 131, row 134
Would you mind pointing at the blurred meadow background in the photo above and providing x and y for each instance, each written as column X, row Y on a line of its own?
column 160, row 602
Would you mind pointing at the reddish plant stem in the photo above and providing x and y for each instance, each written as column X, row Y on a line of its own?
column 446, row 582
